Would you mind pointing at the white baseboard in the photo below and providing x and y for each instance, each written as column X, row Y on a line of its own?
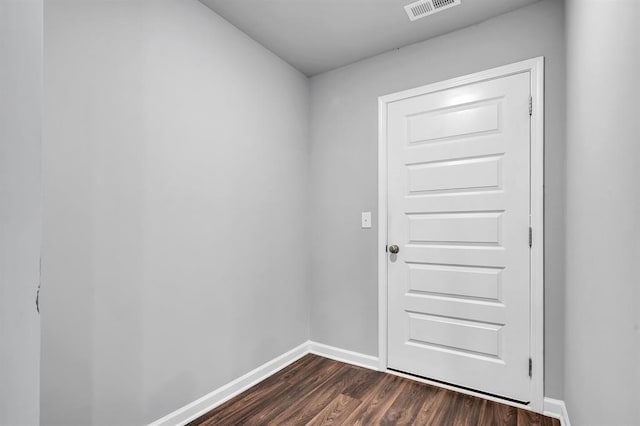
column 556, row 408
column 210, row 401
column 343, row 355
column 552, row 407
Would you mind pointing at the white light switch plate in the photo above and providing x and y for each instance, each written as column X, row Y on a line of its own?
column 366, row 219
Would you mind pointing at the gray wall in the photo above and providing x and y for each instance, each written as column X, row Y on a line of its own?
column 602, row 372
column 175, row 210
column 344, row 168
column 20, row 126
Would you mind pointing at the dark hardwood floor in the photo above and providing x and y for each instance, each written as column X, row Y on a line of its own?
column 319, row 391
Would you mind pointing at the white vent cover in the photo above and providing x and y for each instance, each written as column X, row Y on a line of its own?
column 423, row 8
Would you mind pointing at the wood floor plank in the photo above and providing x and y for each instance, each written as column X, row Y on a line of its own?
column 319, row 391
column 526, row 417
column 308, row 406
column 290, row 397
column 439, row 409
column 404, row 410
column 430, row 407
column 336, row 412
column 464, row 410
column 362, row 385
column 497, row 414
column 377, row 402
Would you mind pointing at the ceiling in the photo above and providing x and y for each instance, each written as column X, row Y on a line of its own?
column 319, row 35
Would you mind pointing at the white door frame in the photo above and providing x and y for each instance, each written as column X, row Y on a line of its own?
column 535, row 67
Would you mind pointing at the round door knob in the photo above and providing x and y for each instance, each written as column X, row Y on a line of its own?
column 394, row 249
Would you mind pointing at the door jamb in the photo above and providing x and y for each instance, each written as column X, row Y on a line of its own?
column 535, row 67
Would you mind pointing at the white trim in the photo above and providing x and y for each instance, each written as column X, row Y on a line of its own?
column 536, row 68
column 343, row 355
column 558, row 409
column 213, row 399
column 382, row 234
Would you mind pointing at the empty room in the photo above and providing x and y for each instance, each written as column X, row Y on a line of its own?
column 319, row 212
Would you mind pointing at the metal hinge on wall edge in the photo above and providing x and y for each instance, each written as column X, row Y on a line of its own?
column 530, row 105
column 530, row 367
column 530, row 237
column 39, row 284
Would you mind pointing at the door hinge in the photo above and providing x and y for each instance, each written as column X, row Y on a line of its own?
column 530, row 105
column 530, row 367
column 530, row 237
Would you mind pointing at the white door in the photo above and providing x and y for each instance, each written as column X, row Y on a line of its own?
column 458, row 211
column 20, row 96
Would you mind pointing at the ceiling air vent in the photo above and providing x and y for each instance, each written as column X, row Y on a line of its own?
column 423, row 8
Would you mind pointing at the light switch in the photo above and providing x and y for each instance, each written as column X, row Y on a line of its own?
column 366, row 219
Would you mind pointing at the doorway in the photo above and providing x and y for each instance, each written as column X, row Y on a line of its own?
column 461, row 203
